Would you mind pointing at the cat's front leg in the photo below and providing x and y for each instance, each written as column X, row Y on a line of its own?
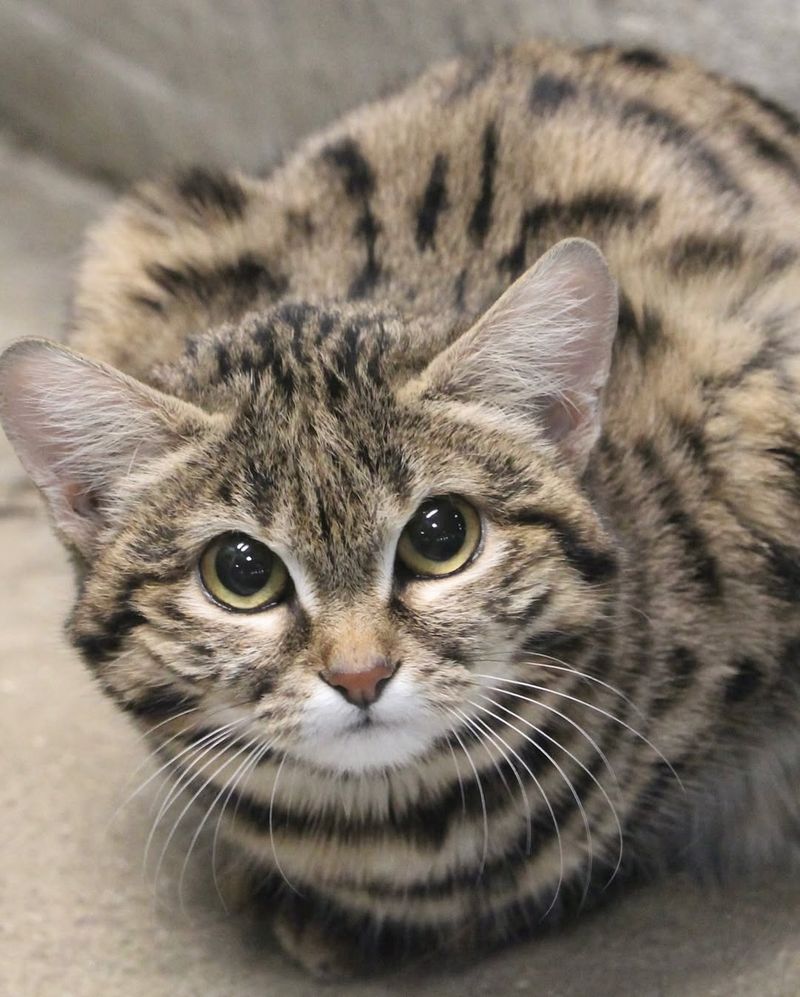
column 313, row 947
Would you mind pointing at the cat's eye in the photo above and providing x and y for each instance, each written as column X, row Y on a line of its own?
column 243, row 574
column 441, row 537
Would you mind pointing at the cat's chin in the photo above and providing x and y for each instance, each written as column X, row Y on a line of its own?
column 371, row 749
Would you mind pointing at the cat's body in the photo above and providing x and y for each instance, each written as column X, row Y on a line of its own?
column 667, row 567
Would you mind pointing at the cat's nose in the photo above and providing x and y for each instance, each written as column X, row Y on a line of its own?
column 362, row 685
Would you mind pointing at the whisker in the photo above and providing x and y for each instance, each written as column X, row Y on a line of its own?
column 271, row 833
column 526, row 803
column 479, row 786
column 553, row 817
column 569, row 784
column 578, row 762
column 251, row 747
column 589, row 706
column 252, row 763
column 460, row 780
column 191, row 802
column 172, row 760
column 564, row 666
column 220, row 737
column 563, row 716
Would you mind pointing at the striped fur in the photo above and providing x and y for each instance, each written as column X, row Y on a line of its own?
column 613, row 686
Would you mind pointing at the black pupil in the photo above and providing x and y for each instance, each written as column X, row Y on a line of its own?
column 243, row 565
column 438, row 530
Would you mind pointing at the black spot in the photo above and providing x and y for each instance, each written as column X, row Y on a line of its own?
column 244, row 280
column 98, row 647
column 336, row 387
column 771, row 151
column 146, row 302
column 225, row 492
column 481, row 217
column 159, row 700
column 322, row 518
column 682, row 666
column 788, row 121
column 223, row 362
column 326, row 326
column 301, row 222
column 212, row 190
column 359, row 179
column 367, row 229
column 789, row 458
column 434, row 201
column 744, row 682
column 642, row 334
column 672, row 132
column 459, row 290
column 549, row 92
column 359, row 185
column 643, row 58
column 272, row 360
column 698, row 254
column 594, row 564
column 582, row 215
column 259, row 480
column 701, row 563
column 347, row 353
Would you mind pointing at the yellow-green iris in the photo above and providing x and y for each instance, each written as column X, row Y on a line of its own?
column 441, row 537
column 243, row 574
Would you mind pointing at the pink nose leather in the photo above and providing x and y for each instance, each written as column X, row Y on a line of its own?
column 360, row 687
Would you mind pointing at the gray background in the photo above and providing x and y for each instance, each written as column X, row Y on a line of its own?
column 93, row 94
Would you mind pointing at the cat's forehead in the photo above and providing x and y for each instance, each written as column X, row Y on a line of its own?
column 298, row 355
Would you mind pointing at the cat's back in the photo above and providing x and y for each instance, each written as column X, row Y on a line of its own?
column 431, row 202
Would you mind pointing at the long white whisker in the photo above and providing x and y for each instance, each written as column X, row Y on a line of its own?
column 570, row 786
column 218, row 737
column 564, row 666
column 589, row 706
column 578, row 762
column 553, row 817
column 474, row 721
column 250, row 748
column 479, row 786
column 278, row 865
column 191, row 801
column 460, row 780
column 565, row 717
column 252, row 764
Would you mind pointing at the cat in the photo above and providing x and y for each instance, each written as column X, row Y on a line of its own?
column 435, row 500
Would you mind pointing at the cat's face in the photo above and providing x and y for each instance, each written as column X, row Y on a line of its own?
column 338, row 558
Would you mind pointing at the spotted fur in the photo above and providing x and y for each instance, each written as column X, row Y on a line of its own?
column 613, row 686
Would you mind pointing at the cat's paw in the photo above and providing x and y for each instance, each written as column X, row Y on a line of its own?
column 306, row 943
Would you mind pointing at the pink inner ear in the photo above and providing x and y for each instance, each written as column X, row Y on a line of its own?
column 562, row 416
column 83, row 502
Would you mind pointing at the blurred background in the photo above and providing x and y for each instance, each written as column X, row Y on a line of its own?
column 117, row 88
column 94, row 94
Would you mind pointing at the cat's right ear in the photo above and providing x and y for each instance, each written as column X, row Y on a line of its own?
column 82, row 429
column 542, row 352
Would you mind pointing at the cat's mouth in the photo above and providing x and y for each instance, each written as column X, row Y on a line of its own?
column 364, row 722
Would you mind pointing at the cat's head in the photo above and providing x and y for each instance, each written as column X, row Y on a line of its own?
column 316, row 533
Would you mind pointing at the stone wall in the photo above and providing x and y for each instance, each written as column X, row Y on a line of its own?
column 127, row 87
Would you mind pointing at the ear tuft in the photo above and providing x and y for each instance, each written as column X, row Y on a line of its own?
column 80, row 428
column 543, row 350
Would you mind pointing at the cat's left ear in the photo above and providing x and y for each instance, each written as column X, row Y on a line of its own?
column 542, row 351
column 83, row 430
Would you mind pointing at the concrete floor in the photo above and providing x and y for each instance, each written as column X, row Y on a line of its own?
column 80, row 916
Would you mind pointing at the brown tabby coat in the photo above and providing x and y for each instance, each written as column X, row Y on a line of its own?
column 613, row 684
